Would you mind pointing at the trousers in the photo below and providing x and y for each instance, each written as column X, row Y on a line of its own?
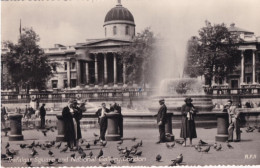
column 120, row 126
column 234, row 125
column 103, row 127
column 162, row 132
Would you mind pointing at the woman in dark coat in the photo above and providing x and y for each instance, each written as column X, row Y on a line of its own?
column 188, row 129
column 71, row 117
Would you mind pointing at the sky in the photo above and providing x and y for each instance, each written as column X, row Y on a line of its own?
column 69, row 22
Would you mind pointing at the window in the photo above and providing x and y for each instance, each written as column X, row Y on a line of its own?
column 65, row 66
column 73, row 82
column 248, row 79
column 54, row 68
column 54, row 84
column 65, row 83
column 73, row 65
column 127, row 30
column 114, row 30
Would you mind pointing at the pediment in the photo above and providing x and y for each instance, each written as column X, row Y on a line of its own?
column 106, row 43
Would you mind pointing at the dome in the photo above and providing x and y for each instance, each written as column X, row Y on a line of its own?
column 119, row 13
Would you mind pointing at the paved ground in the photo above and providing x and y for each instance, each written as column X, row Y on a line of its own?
column 245, row 152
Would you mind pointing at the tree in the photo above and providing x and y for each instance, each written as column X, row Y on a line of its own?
column 139, row 57
column 214, row 53
column 26, row 62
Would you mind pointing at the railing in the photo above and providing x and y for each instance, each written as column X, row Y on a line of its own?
column 238, row 91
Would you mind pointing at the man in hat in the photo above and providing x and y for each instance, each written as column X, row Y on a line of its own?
column 161, row 120
column 233, row 119
column 42, row 114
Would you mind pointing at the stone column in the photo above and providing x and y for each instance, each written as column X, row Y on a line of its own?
column 112, row 127
column 254, row 79
column 242, row 67
column 96, row 69
column 68, row 73
column 115, row 70
column 168, row 127
column 78, row 73
column 222, row 126
column 87, row 73
column 16, row 127
column 105, row 69
column 124, row 74
column 60, row 128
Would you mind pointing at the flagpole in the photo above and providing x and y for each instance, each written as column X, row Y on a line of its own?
column 20, row 29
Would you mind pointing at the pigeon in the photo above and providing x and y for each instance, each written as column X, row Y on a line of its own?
column 57, row 160
column 141, row 143
column 10, row 153
column 50, row 153
column 7, row 145
column 139, row 153
column 104, row 143
column 22, row 146
column 133, row 151
column 33, row 143
column 34, row 152
column 30, row 146
column 65, row 149
column 52, row 143
column 206, row 150
column 90, row 154
column 130, row 159
column 172, row 164
column 88, row 146
column 73, row 155
column 133, row 139
column 158, row 158
column 59, row 145
column 198, row 148
column 179, row 141
column 95, row 135
column 215, row 145
column 167, row 145
column 44, row 132
column 179, row 159
column 229, row 146
column 95, row 141
column 38, row 144
column 120, row 142
column 80, row 150
column 219, row 147
column 173, row 144
column 119, row 148
column 83, row 155
column 202, row 142
column 50, row 162
column 100, row 153
column 112, row 161
column 135, row 146
column 29, row 163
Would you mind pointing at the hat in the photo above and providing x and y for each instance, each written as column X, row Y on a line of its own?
column 188, row 99
column 161, row 100
column 73, row 101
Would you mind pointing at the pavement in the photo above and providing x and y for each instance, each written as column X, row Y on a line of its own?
column 245, row 152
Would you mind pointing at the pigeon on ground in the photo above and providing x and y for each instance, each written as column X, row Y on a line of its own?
column 103, row 143
column 95, row 141
column 90, row 154
column 29, row 163
column 59, row 145
column 88, row 146
column 219, row 147
column 83, row 155
column 229, row 146
column 73, row 155
column 158, row 158
column 7, row 145
column 95, row 135
column 173, row 144
column 65, row 149
column 202, row 142
column 50, row 153
column 167, row 145
column 50, row 162
column 130, row 159
column 179, row 141
column 44, row 132
column 206, row 150
column 133, row 151
column 34, row 152
column 141, row 143
column 22, row 146
column 57, row 160
column 178, row 160
column 112, row 161
column 215, row 145
column 120, row 142
column 100, row 153
column 139, row 153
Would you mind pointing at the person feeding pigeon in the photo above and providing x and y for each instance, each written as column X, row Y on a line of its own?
column 71, row 115
column 233, row 119
column 188, row 129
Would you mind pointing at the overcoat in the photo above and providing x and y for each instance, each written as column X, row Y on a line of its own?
column 188, row 129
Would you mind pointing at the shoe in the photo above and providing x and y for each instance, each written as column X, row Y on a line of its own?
column 237, row 140
column 230, row 140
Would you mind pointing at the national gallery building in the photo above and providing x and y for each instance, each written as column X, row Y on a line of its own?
column 97, row 62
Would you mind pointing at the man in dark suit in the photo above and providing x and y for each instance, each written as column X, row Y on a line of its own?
column 161, row 120
column 42, row 114
column 117, row 108
column 102, row 120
